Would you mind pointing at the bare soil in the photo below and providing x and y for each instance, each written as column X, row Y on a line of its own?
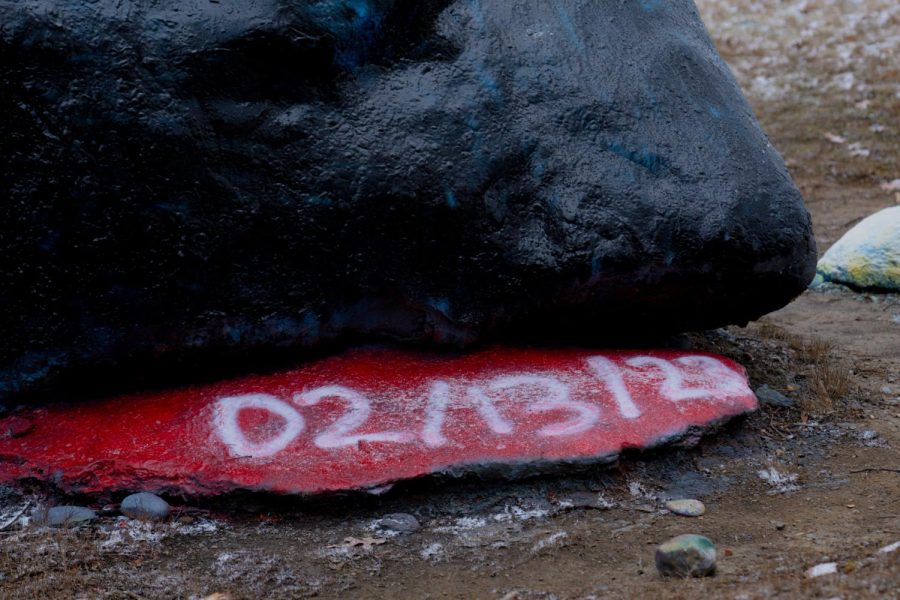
column 785, row 489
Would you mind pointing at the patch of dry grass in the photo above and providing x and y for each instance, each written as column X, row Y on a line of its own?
column 42, row 563
column 828, row 377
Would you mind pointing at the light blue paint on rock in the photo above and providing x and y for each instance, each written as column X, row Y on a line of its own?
column 868, row 256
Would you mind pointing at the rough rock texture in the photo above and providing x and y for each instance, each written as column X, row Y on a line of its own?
column 868, row 256
column 191, row 180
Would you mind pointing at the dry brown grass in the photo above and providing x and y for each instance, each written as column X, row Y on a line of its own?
column 828, row 377
column 45, row 563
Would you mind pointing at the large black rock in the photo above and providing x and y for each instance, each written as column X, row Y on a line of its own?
column 189, row 180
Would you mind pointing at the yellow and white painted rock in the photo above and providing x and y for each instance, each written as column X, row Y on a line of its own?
column 868, row 256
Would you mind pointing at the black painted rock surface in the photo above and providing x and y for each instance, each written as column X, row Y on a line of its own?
column 189, row 180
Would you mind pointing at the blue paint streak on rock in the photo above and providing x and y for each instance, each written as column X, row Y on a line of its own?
column 476, row 12
column 650, row 5
column 442, row 305
column 310, row 324
column 643, row 157
column 569, row 27
column 489, row 83
column 451, row 199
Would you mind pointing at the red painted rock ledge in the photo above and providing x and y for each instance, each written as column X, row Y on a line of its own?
column 372, row 416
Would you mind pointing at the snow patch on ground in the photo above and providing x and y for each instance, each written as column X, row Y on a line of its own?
column 377, row 527
column 515, row 513
column 15, row 515
column 462, row 524
column 123, row 535
column 782, row 482
column 637, row 490
column 197, row 527
column 434, row 551
column 469, row 525
column 547, row 542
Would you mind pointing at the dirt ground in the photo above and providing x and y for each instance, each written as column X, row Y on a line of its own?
column 785, row 488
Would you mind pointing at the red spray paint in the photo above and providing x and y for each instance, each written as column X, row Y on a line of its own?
column 372, row 416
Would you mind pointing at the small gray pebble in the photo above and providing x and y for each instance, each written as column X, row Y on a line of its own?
column 145, row 506
column 64, row 516
column 778, row 525
column 767, row 395
column 401, row 522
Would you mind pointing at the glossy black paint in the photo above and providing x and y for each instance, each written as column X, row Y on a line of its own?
column 186, row 181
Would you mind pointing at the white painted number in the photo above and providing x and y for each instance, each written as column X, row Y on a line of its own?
column 612, row 377
column 341, row 433
column 723, row 379
column 229, row 430
column 529, row 393
column 435, row 412
column 488, row 411
column 673, row 386
column 556, row 398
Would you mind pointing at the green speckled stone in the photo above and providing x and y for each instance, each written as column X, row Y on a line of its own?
column 688, row 555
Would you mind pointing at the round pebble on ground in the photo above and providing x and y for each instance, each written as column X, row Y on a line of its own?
column 67, row 516
column 401, row 522
column 686, row 508
column 767, row 395
column 687, row 555
column 145, row 506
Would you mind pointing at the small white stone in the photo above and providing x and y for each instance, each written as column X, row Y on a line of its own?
column 686, row 507
column 822, row 569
